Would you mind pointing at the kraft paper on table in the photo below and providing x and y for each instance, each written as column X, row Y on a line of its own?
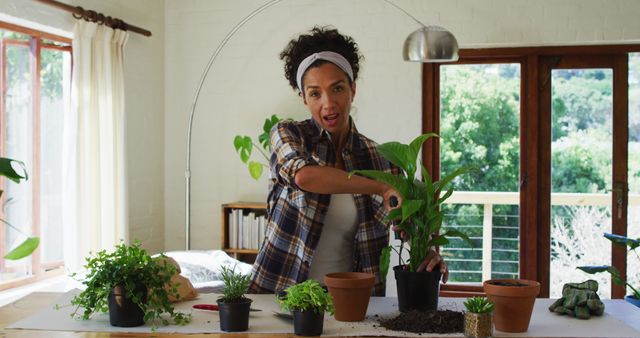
column 543, row 322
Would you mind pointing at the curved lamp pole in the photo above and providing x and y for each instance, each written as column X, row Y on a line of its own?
column 426, row 44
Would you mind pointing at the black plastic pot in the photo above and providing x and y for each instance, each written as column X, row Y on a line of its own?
column 308, row 323
column 417, row 290
column 234, row 317
column 123, row 312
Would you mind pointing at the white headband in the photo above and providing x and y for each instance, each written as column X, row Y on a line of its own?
column 332, row 57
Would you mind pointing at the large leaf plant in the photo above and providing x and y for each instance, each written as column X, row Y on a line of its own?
column 244, row 146
column 420, row 216
column 30, row 244
column 632, row 244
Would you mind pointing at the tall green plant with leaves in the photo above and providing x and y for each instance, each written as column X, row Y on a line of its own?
column 632, row 244
column 31, row 243
column 244, row 146
column 419, row 216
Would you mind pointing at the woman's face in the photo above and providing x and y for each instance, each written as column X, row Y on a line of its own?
column 328, row 96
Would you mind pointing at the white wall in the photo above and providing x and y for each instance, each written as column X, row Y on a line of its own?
column 246, row 83
column 144, row 77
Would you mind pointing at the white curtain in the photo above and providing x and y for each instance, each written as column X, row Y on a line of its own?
column 94, row 187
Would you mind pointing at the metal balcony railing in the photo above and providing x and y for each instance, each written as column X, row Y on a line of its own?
column 490, row 199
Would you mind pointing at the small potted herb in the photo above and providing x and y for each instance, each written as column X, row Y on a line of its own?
column 478, row 318
column 308, row 302
column 130, row 285
column 233, row 306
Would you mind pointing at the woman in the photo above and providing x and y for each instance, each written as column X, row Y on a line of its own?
column 320, row 220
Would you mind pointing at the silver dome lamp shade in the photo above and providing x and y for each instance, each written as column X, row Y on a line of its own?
column 431, row 44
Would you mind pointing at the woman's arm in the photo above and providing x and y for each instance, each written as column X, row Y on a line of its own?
column 329, row 180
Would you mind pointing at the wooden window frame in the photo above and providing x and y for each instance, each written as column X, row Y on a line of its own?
column 534, row 156
column 35, row 45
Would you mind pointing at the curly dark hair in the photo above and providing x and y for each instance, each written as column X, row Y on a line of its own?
column 319, row 39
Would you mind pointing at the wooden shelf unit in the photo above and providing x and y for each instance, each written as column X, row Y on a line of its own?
column 245, row 255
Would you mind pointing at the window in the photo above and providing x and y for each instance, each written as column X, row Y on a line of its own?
column 547, row 127
column 36, row 78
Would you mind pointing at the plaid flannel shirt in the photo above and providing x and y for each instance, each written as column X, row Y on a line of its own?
column 295, row 217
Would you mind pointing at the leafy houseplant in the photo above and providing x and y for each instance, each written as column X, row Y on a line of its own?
column 308, row 302
column 233, row 305
column 632, row 244
column 419, row 217
column 244, row 147
column 128, row 275
column 31, row 243
column 477, row 319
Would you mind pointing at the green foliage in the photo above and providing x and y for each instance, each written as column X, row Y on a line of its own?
column 133, row 268
column 632, row 244
column 27, row 247
column 420, row 215
column 244, row 147
column 479, row 305
column 235, row 285
column 308, row 295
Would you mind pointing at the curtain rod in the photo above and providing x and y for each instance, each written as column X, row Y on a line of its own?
column 93, row 16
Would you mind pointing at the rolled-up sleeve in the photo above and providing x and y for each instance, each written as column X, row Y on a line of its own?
column 289, row 153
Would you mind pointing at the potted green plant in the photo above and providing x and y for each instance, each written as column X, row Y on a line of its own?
column 233, row 306
column 632, row 245
column 308, row 302
column 29, row 245
column 477, row 320
column 130, row 285
column 419, row 217
column 244, row 147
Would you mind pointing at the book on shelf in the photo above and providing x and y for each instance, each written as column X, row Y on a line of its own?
column 246, row 228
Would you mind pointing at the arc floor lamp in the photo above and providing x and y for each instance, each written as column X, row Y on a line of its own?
column 426, row 44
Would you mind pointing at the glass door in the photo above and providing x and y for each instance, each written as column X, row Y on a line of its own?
column 585, row 147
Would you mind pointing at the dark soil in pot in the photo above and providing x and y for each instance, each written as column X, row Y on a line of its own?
column 443, row 321
column 508, row 284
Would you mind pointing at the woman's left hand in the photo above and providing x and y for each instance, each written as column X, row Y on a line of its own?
column 432, row 260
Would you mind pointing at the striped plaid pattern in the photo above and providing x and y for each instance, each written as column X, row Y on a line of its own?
column 295, row 217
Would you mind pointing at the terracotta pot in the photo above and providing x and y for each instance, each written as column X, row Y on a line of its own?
column 350, row 292
column 478, row 325
column 514, row 302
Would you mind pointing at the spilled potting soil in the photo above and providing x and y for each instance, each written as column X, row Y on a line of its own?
column 443, row 321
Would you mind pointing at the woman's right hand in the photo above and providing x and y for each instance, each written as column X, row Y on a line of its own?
column 392, row 198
